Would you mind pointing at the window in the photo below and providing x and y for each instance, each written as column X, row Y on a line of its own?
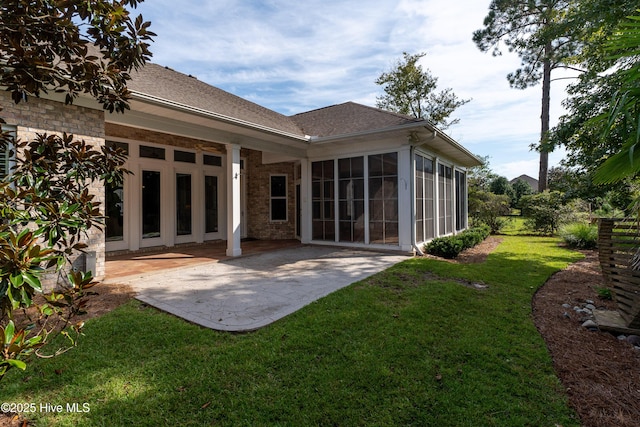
column 211, row 204
column 278, row 197
column 152, row 152
column 212, row 160
column 383, row 198
column 184, row 156
column 183, row 204
column 351, row 199
column 115, row 206
column 461, row 200
column 425, row 208
column 323, row 204
column 150, row 204
column 445, row 217
column 5, row 154
column 115, row 211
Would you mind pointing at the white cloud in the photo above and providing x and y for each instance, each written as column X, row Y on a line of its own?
column 295, row 56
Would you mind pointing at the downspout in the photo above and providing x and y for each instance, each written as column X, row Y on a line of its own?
column 412, row 186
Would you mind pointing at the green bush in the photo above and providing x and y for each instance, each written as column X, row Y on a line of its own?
column 545, row 212
column 451, row 246
column 489, row 209
column 580, row 235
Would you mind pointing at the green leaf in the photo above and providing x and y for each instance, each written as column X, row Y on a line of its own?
column 9, row 330
column 17, row 364
column 32, row 281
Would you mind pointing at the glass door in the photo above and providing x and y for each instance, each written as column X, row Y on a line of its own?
column 151, row 205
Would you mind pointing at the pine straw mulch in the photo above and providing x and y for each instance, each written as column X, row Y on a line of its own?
column 601, row 374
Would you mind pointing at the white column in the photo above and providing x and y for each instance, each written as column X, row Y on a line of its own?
column 305, row 201
column 405, row 202
column 436, row 196
column 233, row 200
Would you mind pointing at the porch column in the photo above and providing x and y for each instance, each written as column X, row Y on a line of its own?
column 406, row 199
column 305, row 201
column 233, row 200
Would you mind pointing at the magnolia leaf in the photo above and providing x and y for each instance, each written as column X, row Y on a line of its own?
column 17, row 364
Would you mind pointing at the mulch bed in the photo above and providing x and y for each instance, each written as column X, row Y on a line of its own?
column 600, row 373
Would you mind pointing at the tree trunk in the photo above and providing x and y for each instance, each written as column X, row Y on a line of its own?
column 545, row 118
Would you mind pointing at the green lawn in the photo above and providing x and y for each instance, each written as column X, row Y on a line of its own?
column 409, row 346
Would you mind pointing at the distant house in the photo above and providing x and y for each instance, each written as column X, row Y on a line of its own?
column 208, row 165
column 526, row 178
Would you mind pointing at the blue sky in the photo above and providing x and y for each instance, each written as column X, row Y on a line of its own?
column 294, row 56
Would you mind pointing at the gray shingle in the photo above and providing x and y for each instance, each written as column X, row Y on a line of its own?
column 348, row 118
column 165, row 83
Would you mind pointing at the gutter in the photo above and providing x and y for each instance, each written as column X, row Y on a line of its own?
column 437, row 132
column 139, row 96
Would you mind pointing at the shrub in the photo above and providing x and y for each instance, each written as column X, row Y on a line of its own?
column 489, row 209
column 580, row 235
column 545, row 212
column 446, row 247
column 451, row 246
column 604, row 293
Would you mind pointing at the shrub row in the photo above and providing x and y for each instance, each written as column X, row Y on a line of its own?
column 451, row 246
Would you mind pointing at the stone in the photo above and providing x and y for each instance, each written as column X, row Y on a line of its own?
column 565, row 314
column 590, row 306
column 622, row 337
column 565, row 305
column 590, row 324
column 634, row 340
column 589, row 301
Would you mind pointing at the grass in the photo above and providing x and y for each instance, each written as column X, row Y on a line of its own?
column 409, row 346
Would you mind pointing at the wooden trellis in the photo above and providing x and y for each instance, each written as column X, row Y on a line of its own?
column 619, row 247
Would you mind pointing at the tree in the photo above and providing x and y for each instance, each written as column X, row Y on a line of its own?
column 410, row 90
column 581, row 130
column 625, row 110
column 520, row 189
column 501, row 186
column 69, row 48
column 539, row 33
column 479, row 177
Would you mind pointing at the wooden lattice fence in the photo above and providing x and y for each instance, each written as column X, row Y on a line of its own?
column 619, row 247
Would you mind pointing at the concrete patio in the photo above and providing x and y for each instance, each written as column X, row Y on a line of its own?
column 252, row 291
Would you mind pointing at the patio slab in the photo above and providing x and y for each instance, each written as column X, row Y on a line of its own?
column 249, row 292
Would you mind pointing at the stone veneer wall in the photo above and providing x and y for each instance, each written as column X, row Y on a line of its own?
column 259, row 225
column 39, row 116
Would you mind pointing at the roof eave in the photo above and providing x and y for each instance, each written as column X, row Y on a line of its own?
column 333, row 138
column 215, row 116
column 458, row 146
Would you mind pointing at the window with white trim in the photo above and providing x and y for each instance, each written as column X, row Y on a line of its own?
column 445, row 187
column 425, row 205
column 278, row 203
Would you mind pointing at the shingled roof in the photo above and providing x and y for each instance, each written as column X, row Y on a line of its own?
column 348, row 118
column 164, row 83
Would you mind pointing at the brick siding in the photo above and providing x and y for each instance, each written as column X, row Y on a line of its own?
column 259, row 224
column 39, row 116
column 142, row 135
